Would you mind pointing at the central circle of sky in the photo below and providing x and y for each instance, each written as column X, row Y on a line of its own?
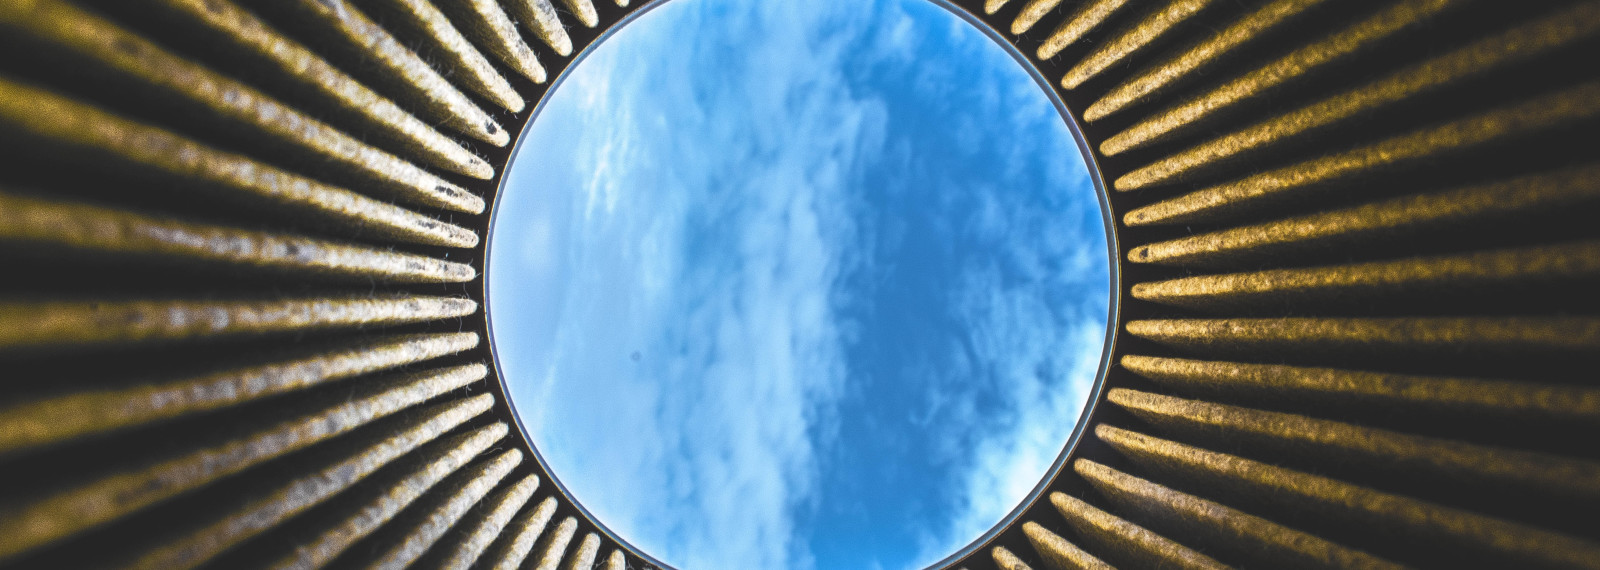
column 799, row 283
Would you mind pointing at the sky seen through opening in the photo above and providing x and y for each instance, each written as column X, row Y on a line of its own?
column 799, row 283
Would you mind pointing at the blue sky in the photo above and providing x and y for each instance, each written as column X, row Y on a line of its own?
column 799, row 283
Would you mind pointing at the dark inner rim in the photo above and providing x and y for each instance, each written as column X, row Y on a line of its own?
column 1107, row 222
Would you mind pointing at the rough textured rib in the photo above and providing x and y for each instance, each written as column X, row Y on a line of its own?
column 65, row 226
column 394, row 493
column 1217, row 203
column 465, row 63
column 495, row 31
column 1029, row 16
column 1299, row 64
column 1194, row 61
column 1005, row 560
column 322, row 83
column 26, row 113
column 1511, row 48
column 585, row 12
column 1454, row 334
column 1132, row 41
column 540, row 16
column 120, row 52
column 1394, row 219
column 1089, row 15
column 310, row 489
column 1381, row 511
column 519, row 538
column 1488, row 467
column 29, row 325
column 1364, row 281
column 583, row 557
column 1139, row 546
column 1466, row 396
column 122, row 492
column 57, row 419
column 1265, row 540
column 338, row 23
column 554, row 545
column 452, row 504
column 481, row 534
column 1058, row 553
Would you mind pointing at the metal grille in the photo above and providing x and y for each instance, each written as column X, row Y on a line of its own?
column 241, row 241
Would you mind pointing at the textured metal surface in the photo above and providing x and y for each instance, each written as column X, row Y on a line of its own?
column 240, row 309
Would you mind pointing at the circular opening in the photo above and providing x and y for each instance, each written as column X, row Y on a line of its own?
column 800, row 283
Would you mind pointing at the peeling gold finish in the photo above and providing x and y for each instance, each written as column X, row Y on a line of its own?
column 1153, row 26
column 295, row 496
column 1229, row 200
column 1091, row 13
column 1465, row 396
column 1272, row 543
column 1207, row 53
column 1334, row 498
column 1341, row 45
column 93, row 230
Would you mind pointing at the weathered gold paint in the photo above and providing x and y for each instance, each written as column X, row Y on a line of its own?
column 1334, row 498
column 69, row 323
column 296, row 495
column 1060, row 553
column 582, row 558
column 89, row 229
column 1130, row 42
column 554, row 545
column 1006, row 560
column 466, row 63
column 540, row 16
column 458, row 499
column 1471, row 397
column 1130, row 542
column 1515, row 46
column 489, row 23
column 1089, row 15
column 29, row 113
column 1267, row 541
column 502, row 506
column 325, row 85
column 519, row 538
column 1377, row 335
column 53, row 420
column 1384, row 24
column 1232, row 199
column 1212, row 50
column 127, row 489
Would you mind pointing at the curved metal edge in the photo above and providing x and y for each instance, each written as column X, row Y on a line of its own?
column 488, row 314
column 1113, row 307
